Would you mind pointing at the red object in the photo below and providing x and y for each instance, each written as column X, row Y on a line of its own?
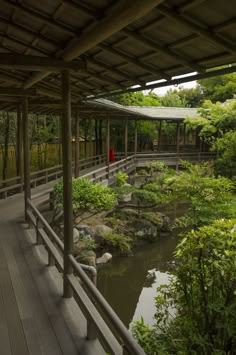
column 111, row 155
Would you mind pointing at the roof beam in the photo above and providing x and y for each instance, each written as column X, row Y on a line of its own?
column 120, row 15
column 163, row 49
column 177, row 81
column 17, row 92
column 135, row 61
column 28, row 62
column 196, row 28
column 36, row 15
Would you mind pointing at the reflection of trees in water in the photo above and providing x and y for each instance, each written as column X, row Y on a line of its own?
column 122, row 281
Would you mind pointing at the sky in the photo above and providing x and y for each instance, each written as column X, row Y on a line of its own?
column 162, row 91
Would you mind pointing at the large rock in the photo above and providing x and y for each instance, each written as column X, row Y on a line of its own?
column 128, row 212
column 159, row 220
column 146, row 230
column 87, row 257
column 102, row 229
column 104, row 258
column 75, row 234
column 84, row 229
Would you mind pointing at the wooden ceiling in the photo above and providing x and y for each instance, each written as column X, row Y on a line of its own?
column 111, row 46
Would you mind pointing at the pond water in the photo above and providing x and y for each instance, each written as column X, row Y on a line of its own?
column 129, row 283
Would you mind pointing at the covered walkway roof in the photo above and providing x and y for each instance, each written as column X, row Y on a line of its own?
column 112, row 46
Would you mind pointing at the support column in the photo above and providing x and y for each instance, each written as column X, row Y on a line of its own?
column 126, row 138
column 108, row 148
column 136, row 138
column 26, row 153
column 67, row 179
column 159, row 136
column 77, row 147
column 19, row 144
column 177, row 145
column 184, row 134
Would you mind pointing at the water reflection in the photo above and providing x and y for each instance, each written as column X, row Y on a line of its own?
column 128, row 283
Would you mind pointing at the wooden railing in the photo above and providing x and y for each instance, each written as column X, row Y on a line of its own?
column 102, row 322
column 16, row 184
column 172, row 158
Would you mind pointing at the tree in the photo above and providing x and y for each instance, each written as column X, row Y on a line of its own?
column 219, row 88
column 173, row 99
column 202, row 293
column 137, row 99
column 226, row 149
column 88, row 198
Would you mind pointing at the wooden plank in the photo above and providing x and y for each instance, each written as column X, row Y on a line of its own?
column 46, row 336
column 4, row 334
column 16, row 333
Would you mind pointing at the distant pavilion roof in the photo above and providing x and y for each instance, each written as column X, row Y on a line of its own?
column 112, row 46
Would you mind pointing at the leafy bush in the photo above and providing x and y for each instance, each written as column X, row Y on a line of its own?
column 203, row 294
column 88, row 197
column 117, row 242
column 121, row 178
column 209, row 198
column 226, row 148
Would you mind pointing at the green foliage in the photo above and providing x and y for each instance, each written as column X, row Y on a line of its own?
column 214, row 120
column 145, row 197
column 173, row 99
column 201, row 294
column 138, row 99
column 121, row 178
column 157, row 167
column 87, row 196
column 86, row 243
column 219, row 88
column 209, row 198
column 226, row 160
column 118, row 242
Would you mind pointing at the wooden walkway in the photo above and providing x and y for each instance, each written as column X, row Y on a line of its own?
column 34, row 317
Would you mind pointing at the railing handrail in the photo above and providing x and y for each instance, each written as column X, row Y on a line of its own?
column 130, row 343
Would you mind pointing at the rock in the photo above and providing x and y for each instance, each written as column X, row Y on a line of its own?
column 102, row 229
column 87, row 257
column 104, row 258
column 129, row 212
column 75, row 234
column 139, row 180
column 86, row 230
column 159, row 220
column 146, row 230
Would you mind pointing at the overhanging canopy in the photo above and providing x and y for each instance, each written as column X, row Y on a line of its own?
column 120, row 44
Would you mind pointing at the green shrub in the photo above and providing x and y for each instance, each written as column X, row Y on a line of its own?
column 118, row 242
column 202, row 293
column 121, row 178
column 87, row 197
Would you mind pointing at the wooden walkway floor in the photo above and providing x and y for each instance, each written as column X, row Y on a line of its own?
column 34, row 317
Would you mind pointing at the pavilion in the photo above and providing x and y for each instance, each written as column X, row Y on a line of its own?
column 59, row 55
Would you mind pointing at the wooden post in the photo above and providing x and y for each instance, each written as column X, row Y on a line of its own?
column 159, row 136
column 126, row 138
column 77, row 150
column 67, row 179
column 19, row 144
column 108, row 147
column 177, row 145
column 136, row 138
column 100, row 137
column 26, row 154
column 184, row 134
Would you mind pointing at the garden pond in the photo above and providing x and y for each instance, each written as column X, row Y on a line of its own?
column 129, row 283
